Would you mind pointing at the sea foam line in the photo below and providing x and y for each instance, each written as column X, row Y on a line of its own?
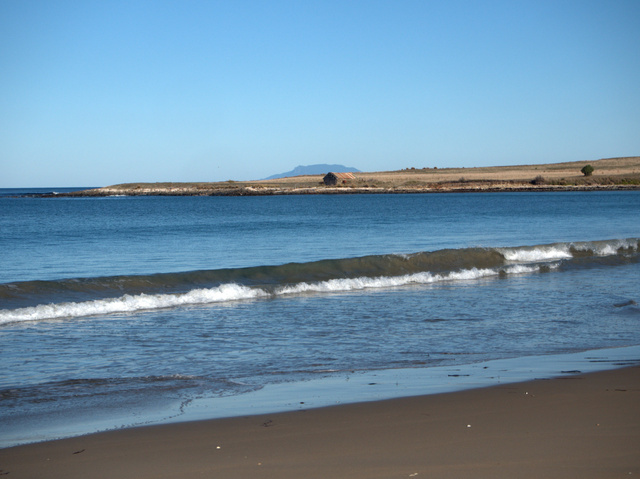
column 234, row 292
column 132, row 303
column 540, row 253
column 561, row 251
column 354, row 284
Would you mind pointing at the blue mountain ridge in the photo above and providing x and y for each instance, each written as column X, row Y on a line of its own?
column 318, row 169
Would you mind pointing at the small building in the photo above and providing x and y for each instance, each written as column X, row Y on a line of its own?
column 331, row 178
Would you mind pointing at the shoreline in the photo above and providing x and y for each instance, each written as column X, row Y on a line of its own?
column 610, row 174
column 329, row 389
column 346, row 190
column 585, row 425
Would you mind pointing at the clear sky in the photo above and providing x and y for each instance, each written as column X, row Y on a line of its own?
column 94, row 93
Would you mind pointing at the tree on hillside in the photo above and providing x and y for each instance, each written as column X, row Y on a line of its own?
column 587, row 170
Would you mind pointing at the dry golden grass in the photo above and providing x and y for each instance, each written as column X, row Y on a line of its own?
column 610, row 167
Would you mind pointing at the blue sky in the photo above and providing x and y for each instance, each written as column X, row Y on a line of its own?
column 94, row 93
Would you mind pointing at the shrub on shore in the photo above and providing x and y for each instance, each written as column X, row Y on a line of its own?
column 539, row 180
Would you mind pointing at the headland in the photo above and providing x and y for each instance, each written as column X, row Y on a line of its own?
column 609, row 174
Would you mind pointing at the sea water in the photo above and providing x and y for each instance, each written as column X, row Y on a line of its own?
column 132, row 310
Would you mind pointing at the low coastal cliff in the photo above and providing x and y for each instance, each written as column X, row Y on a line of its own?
column 270, row 191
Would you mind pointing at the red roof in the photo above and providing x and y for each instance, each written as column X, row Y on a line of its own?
column 343, row 176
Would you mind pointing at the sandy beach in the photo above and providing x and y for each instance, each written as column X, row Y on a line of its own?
column 577, row 426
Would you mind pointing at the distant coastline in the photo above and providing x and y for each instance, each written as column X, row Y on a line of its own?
column 609, row 174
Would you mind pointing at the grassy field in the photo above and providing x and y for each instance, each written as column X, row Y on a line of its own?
column 607, row 171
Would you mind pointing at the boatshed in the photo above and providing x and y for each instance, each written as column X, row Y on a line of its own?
column 334, row 178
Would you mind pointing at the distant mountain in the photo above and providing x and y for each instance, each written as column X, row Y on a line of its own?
column 314, row 170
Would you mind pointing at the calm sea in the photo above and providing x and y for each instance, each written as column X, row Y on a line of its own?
column 130, row 310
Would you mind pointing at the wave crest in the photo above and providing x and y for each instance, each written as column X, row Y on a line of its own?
column 131, row 303
column 96, row 296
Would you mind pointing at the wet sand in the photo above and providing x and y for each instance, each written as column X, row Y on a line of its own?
column 578, row 426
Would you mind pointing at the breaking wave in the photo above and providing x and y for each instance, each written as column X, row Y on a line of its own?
column 131, row 303
column 569, row 250
column 83, row 297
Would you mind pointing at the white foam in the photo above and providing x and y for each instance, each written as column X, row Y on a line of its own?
column 130, row 303
column 524, row 269
column 607, row 248
column 606, row 251
column 540, row 253
column 355, row 284
column 563, row 251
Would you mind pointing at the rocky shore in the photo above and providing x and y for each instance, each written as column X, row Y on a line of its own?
column 270, row 191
